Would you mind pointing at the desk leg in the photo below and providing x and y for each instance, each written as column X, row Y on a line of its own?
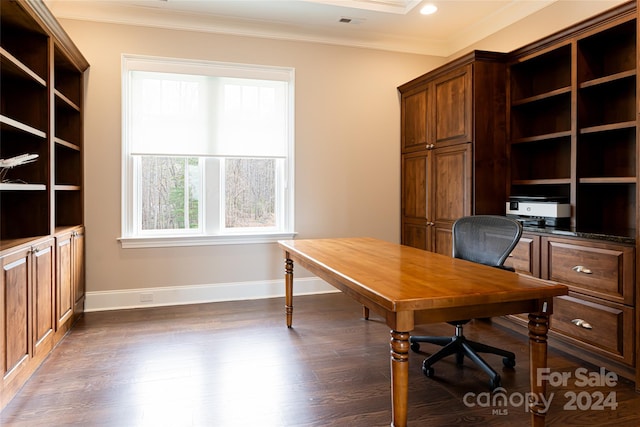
column 399, row 377
column 538, row 328
column 288, row 285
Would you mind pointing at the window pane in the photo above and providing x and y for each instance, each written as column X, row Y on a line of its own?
column 169, row 193
column 250, row 193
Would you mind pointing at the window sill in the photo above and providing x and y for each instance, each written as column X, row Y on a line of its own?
column 178, row 241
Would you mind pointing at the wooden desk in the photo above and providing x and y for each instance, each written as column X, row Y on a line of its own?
column 408, row 286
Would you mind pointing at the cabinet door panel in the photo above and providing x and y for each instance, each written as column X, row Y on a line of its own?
column 414, row 185
column 442, row 239
column 453, row 108
column 43, row 298
column 16, row 326
column 452, row 176
column 64, row 291
column 78, row 271
column 416, row 235
column 414, row 120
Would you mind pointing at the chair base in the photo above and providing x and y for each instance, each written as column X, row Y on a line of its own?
column 460, row 346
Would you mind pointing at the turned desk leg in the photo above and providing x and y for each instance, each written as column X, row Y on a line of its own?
column 288, row 285
column 538, row 328
column 399, row 377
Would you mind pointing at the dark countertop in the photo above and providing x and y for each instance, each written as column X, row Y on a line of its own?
column 627, row 237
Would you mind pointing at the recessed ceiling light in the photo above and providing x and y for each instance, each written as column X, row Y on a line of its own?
column 428, row 9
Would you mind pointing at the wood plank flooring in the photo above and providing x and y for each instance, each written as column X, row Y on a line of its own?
column 236, row 364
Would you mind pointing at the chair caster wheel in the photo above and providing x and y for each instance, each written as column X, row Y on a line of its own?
column 509, row 363
column 415, row 346
column 428, row 371
column 494, row 382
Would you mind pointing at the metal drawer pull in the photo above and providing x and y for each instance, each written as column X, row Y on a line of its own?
column 581, row 269
column 581, row 323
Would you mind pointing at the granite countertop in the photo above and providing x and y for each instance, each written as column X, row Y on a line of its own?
column 614, row 237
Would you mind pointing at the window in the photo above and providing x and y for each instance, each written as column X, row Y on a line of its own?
column 207, row 152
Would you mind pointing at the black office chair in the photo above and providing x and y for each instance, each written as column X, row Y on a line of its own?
column 488, row 240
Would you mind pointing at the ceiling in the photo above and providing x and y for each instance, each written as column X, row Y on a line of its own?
column 395, row 25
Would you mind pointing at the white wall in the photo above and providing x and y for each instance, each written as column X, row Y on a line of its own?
column 347, row 157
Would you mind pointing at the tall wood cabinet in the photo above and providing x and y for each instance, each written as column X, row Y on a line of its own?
column 41, row 202
column 453, row 148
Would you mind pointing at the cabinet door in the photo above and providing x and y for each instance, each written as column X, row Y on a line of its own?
column 442, row 238
column 416, row 230
column 64, row 289
column 43, row 297
column 78, row 270
column 453, row 109
column 416, row 234
column 451, row 192
column 15, row 345
column 414, row 118
column 415, row 179
column 452, row 179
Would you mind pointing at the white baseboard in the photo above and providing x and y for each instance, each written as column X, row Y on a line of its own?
column 196, row 294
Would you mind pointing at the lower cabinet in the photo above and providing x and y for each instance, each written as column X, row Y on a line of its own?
column 596, row 321
column 26, row 326
column 69, row 277
column 41, row 295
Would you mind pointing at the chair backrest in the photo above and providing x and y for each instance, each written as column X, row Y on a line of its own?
column 485, row 239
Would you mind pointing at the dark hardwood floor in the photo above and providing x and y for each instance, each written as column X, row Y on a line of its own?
column 236, row 364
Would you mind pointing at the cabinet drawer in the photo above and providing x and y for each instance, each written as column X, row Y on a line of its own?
column 606, row 327
column 603, row 270
column 525, row 257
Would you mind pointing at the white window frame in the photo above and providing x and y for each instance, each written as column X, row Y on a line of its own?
column 131, row 237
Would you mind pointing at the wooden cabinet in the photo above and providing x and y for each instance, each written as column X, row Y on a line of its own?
column 41, row 114
column 453, row 148
column 596, row 321
column 26, row 299
column 599, row 312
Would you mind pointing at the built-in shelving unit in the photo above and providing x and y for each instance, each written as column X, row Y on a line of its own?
column 41, row 114
column 24, row 124
column 540, row 123
column 572, row 131
column 573, row 125
column 41, row 215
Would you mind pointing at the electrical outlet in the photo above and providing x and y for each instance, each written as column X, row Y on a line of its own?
column 146, row 297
